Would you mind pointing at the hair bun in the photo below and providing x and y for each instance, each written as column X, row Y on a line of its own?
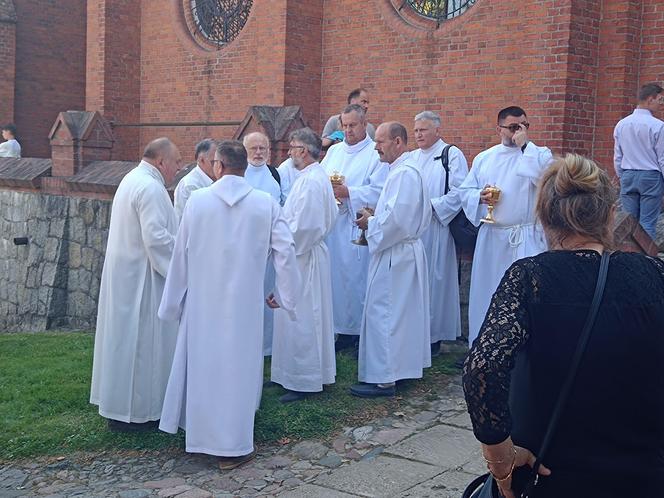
column 577, row 175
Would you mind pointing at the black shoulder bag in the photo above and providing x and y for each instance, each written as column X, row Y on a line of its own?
column 463, row 231
column 485, row 486
column 275, row 174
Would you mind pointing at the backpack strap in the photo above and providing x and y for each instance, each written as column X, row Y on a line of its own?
column 445, row 161
column 275, row 173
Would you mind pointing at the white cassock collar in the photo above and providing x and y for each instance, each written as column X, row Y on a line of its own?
column 354, row 149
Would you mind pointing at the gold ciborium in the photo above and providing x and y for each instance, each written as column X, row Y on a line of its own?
column 362, row 239
column 337, row 179
column 493, row 200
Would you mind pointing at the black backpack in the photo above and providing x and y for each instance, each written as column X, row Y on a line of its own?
column 463, row 231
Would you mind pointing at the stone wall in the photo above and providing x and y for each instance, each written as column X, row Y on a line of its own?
column 53, row 281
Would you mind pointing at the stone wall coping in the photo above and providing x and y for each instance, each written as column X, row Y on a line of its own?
column 25, row 172
column 101, row 176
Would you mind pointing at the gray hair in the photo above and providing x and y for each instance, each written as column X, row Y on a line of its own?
column 355, row 108
column 157, row 148
column 233, row 155
column 429, row 116
column 309, row 139
column 256, row 134
column 204, row 146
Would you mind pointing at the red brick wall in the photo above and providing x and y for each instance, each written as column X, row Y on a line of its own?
column 618, row 72
column 184, row 82
column 304, row 43
column 50, row 67
column 7, row 53
column 113, row 68
column 498, row 53
column 652, row 43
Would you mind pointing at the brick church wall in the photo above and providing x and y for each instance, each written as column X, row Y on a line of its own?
column 50, row 67
column 7, row 55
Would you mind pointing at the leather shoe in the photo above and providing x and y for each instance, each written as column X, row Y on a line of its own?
column 371, row 390
column 230, row 463
column 291, row 396
column 117, row 426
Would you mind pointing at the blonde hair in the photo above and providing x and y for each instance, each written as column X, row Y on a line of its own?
column 576, row 197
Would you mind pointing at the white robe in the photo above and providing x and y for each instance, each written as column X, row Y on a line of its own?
column 515, row 234
column 364, row 176
column 288, row 173
column 261, row 179
column 10, row 148
column 215, row 289
column 303, row 347
column 394, row 340
column 437, row 239
column 192, row 181
column 133, row 348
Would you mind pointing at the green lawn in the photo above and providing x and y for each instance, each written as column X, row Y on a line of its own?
column 45, row 387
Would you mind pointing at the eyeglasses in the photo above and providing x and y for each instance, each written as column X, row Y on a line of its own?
column 258, row 149
column 292, row 147
column 216, row 161
column 514, row 127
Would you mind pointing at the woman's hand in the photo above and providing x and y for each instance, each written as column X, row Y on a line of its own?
column 503, row 458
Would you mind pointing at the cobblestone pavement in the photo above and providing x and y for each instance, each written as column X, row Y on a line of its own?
column 424, row 449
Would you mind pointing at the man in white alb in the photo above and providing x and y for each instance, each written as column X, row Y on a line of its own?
column 133, row 348
column 515, row 166
column 364, row 175
column 199, row 177
column 394, row 339
column 437, row 240
column 639, row 158
column 265, row 178
column 303, row 346
column 10, row 147
column 214, row 289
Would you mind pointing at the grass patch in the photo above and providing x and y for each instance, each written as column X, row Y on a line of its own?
column 45, row 388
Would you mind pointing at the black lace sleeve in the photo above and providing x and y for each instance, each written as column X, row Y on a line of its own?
column 486, row 375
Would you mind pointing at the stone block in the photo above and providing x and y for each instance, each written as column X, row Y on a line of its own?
column 444, row 446
column 450, row 484
column 309, row 490
column 384, row 476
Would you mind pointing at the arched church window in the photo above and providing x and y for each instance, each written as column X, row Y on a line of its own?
column 438, row 10
column 220, row 21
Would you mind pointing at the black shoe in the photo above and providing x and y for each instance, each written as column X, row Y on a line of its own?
column 291, row 396
column 345, row 341
column 269, row 383
column 117, row 426
column 371, row 390
column 435, row 349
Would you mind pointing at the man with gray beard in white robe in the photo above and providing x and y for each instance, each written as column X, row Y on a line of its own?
column 515, row 166
column 133, row 348
column 200, row 176
column 303, row 346
column 394, row 339
column 437, row 240
column 260, row 176
column 364, row 175
column 214, row 289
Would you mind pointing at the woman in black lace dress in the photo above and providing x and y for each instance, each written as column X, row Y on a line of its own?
column 610, row 437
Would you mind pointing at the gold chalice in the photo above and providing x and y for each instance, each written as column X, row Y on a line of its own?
column 337, row 179
column 493, row 200
column 362, row 239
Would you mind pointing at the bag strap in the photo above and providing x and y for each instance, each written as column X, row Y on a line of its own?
column 445, row 161
column 275, row 174
column 569, row 381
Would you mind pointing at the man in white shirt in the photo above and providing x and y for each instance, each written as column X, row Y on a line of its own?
column 263, row 177
column 364, row 175
column 515, row 166
column 394, row 339
column 133, row 348
column 333, row 130
column 10, row 148
column 199, row 177
column 303, row 346
column 214, row 289
column 437, row 240
column 639, row 158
